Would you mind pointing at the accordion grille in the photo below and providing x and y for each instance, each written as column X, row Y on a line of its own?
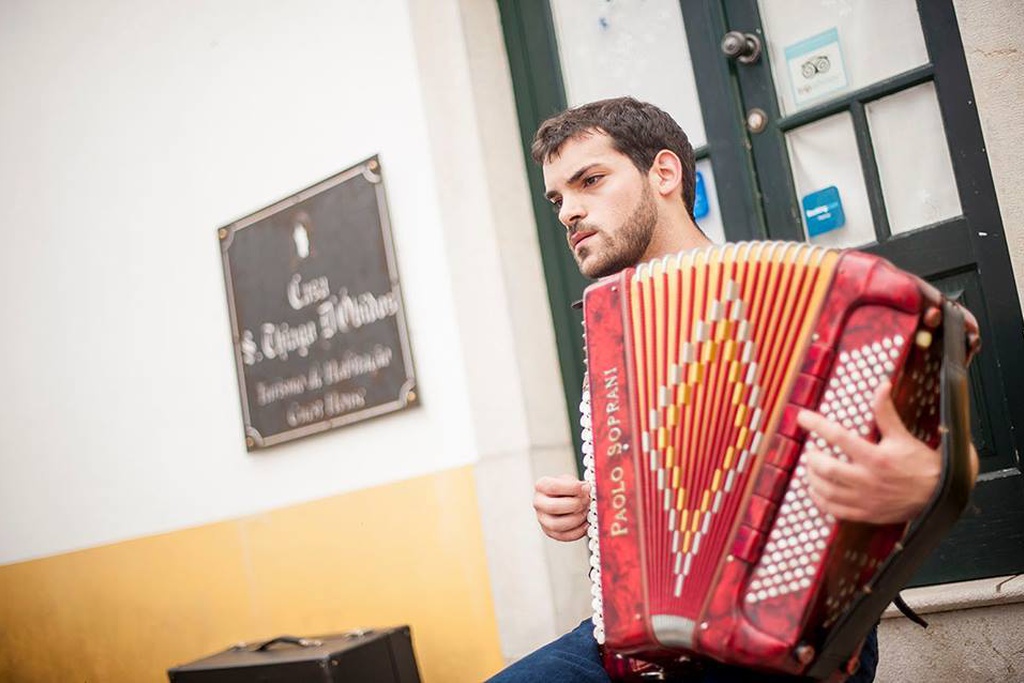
column 716, row 338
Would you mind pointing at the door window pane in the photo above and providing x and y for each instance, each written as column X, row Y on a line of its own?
column 629, row 47
column 913, row 159
column 822, row 48
column 829, row 183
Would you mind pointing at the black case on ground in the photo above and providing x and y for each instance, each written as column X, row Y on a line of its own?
column 377, row 656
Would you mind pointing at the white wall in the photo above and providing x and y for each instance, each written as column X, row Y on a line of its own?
column 129, row 132
column 994, row 48
column 540, row 587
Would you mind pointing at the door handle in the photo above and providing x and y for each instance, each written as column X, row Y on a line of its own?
column 745, row 48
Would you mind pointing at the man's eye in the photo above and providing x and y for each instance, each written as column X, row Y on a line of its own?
column 556, row 205
column 590, row 180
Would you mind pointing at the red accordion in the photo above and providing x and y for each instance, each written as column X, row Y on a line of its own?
column 706, row 542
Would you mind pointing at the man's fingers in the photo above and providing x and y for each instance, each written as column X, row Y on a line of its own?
column 973, row 345
column 886, row 417
column 970, row 322
column 570, row 535
column 563, row 485
column 834, row 481
column 562, row 503
column 838, row 510
column 833, row 493
column 834, row 434
column 842, row 474
column 972, row 330
column 558, row 505
column 561, row 523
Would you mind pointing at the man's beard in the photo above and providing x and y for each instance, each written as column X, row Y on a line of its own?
column 629, row 244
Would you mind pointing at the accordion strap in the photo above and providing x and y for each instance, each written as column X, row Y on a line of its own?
column 925, row 532
column 908, row 611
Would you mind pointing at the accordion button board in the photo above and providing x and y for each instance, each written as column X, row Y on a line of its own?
column 707, row 542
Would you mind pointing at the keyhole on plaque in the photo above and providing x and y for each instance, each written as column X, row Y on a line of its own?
column 301, row 237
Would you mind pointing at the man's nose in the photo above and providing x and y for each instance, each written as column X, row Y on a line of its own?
column 572, row 212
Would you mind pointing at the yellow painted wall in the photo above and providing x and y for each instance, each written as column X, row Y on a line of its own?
column 407, row 553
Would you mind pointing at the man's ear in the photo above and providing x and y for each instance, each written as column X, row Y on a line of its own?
column 666, row 173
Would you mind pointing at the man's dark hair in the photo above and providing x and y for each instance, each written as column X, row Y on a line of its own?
column 637, row 129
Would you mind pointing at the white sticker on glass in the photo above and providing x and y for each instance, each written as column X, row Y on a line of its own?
column 816, row 67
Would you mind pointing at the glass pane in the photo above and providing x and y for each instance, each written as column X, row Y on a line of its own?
column 822, row 48
column 913, row 159
column 629, row 47
column 829, row 183
column 705, row 206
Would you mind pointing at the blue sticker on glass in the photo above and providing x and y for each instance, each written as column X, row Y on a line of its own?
column 823, row 211
column 700, row 198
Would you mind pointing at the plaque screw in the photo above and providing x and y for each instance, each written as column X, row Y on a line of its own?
column 250, row 442
column 410, row 397
column 222, row 233
column 373, row 165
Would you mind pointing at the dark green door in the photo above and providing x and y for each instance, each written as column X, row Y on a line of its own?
column 844, row 124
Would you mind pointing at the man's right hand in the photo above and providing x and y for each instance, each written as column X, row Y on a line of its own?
column 562, row 503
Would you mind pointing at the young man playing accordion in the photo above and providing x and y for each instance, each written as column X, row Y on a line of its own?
column 620, row 175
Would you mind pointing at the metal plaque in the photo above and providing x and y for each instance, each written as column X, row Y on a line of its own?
column 316, row 311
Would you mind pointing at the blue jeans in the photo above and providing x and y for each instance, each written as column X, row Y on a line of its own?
column 574, row 658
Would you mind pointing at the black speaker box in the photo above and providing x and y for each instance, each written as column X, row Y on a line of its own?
column 378, row 656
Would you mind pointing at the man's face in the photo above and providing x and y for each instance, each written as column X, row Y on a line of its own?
column 606, row 204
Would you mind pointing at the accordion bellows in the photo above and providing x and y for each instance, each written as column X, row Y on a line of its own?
column 707, row 541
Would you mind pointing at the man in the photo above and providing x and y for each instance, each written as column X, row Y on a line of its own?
column 620, row 175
